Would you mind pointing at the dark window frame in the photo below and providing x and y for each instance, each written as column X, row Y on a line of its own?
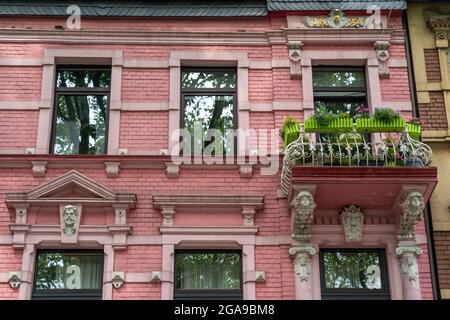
column 356, row 294
column 80, row 91
column 210, row 294
column 210, row 92
column 67, row 294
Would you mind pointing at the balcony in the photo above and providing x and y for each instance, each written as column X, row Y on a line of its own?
column 382, row 152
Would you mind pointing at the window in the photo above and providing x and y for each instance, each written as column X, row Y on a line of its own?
column 339, row 89
column 81, row 110
column 68, row 275
column 208, row 98
column 208, row 275
column 353, row 274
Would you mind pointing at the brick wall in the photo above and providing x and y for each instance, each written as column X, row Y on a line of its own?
column 433, row 114
column 432, row 67
column 442, row 246
column 18, row 129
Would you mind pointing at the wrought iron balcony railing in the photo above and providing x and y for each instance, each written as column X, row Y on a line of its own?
column 353, row 149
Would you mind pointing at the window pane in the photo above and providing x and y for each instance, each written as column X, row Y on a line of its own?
column 80, row 124
column 352, row 270
column 209, row 112
column 338, row 79
column 338, row 107
column 69, row 271
column 83, row 78
column 208, row 271
column 208, row 79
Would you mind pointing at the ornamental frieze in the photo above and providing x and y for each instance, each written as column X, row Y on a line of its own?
column 337, row 19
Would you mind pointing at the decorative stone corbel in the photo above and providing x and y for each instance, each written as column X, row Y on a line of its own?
column 412, row 213
column 382, row 53
column 246, row 170
column 120, row 229
column 249, row 214
column 39, row 168
column 295, row 59
column 352, row 220
column 303, row 206
column 168, row 213
column 70, row 216
column 123, row 152
column 112, row 169
column 155, row 276
column 172, row 170
column 15, row 277
column 118, row 278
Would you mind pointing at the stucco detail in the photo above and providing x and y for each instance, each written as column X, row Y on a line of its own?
column 295, row 59
column 352, row 220
column 303, row 206
column 382, row 53
column 413, row 207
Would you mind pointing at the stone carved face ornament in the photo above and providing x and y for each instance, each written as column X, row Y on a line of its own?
column 352, row 220
column 70, row 216
column 302, row 267
column 409, row 267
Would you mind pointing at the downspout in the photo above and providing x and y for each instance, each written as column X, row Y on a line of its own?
column 427, row 213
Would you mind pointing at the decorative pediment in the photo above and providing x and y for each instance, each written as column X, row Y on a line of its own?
column 70, row 194
column 71, row 187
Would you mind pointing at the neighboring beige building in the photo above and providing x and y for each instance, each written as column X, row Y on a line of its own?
column 429, row 28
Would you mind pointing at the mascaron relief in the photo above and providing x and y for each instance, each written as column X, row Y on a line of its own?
column 303, row 205
column 352, row 220
column 302, row 266
column 70, row 216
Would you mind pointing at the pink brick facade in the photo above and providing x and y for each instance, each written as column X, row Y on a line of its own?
column 143, row 129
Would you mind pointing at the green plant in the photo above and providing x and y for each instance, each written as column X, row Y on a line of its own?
column 288, row 121
column 385, row 115
column 290, row 130
column 323, row 115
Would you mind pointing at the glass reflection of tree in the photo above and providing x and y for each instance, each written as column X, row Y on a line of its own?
column 208, row 271
column 51, row 270
column 348, row 270
column 209, row 111
column 338, row 79
column 80, row 123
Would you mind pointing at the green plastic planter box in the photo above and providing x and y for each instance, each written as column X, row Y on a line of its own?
column 291, row 133
column 414, row 130
column 374, row 125
column 335, row 126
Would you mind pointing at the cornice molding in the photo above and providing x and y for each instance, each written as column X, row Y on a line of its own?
column 208, row 201
column 307, row 36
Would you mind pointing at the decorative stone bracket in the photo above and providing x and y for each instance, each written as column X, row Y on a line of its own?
column 439, row 22
column 413, row 207
column 112, row 169
column 382, row 54
column 303, row 206
column 172, row 170
column 352, row 220
column 295, row 59
column 246, row 170
column 39, row 168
